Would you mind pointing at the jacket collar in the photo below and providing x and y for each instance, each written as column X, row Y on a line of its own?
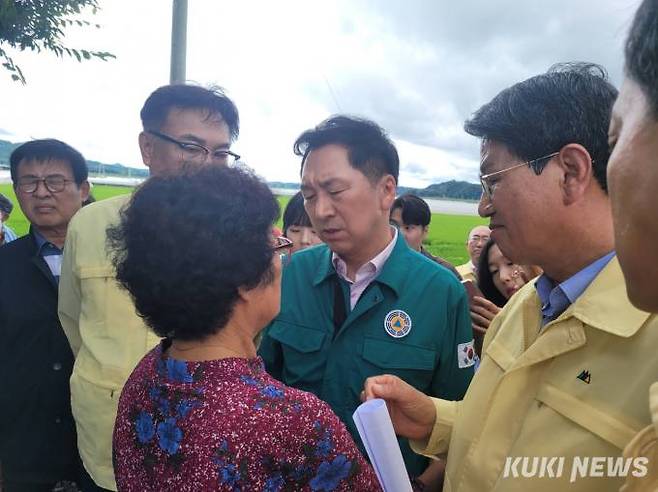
column 37, row 260
column 604, row 305
column 392, row 274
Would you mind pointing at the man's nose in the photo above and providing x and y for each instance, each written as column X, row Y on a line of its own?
column 323, row 207
column 485, row 207
column 42, row 190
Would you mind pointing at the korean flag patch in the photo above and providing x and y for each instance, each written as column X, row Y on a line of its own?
column 466, row 354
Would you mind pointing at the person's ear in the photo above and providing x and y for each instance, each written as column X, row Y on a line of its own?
column 146, row 148
column 577, row 172
column 426, row 230
column 84, row 190
column 388, row 187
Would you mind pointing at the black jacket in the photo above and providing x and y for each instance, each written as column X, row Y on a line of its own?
column 37, row 432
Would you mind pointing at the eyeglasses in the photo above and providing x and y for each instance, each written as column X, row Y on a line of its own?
column 478, row 239
column 198, row 153
column 283, row 245
column 489, row 187
column 54, row 183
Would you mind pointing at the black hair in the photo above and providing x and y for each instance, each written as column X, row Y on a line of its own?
column 415, row 210
column 185, row 96
column 45, row 150
column 571, row 103
column 295, row 213
column 642, row 52
column 5, row 205
column 485, row 279
column 369, row 148
column 184, row 291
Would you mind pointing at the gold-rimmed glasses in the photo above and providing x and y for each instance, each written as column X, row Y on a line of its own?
column 488, row 187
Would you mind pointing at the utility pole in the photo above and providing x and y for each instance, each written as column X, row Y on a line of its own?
column 178, row 41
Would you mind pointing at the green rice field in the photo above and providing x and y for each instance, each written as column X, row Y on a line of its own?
column 447, row 235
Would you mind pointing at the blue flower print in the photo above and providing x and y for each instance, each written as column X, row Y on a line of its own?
column 184, row 406
column 274, row 484
column 229, row 474
column 223, row 446
column 163, row 406
column 144, row 427
column 177, row 371
column 249, row 380
column 169, row 436
column 270, row 391
column 155, row 393
column 324, row 445
column 330, row 474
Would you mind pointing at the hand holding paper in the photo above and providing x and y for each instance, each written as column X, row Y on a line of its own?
column 412, row 412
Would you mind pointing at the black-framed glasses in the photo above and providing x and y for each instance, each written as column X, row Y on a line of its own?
column 198, row 153
column 489, row 187
column 54, row 183
column 283, row 246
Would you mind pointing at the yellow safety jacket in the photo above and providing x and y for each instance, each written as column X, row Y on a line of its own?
column 574, row 390
column 106, row 335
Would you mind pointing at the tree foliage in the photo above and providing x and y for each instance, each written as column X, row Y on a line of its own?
column 39, row 25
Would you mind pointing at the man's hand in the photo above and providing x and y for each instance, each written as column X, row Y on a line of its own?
column 482, row 312
column 412, row 412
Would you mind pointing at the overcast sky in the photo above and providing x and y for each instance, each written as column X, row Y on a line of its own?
column 418, row 68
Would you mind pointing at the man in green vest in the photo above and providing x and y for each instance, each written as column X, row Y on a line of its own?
column 364, row 303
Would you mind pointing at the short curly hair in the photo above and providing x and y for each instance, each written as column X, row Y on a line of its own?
column 186, row 243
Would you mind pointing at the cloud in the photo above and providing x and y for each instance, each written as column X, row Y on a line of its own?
column 418, row 68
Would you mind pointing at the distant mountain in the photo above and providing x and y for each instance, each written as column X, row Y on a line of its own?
column 454, row 190
column 95, row 167
column 460, row 190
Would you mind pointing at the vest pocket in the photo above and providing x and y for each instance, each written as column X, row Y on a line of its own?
column 398, row 355
column 298, row 337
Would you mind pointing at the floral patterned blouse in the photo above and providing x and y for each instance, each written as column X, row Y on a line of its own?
column 227, row 425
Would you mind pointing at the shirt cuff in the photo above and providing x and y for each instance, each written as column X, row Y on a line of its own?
column 439, row 439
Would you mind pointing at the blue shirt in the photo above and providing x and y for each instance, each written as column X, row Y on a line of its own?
column 555, row 299
column 51, row 254
column 9, row 234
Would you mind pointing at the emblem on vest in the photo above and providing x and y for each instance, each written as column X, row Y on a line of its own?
column 585, row 377
column 397, row 323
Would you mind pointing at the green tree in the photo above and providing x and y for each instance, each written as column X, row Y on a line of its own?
column 39, row 25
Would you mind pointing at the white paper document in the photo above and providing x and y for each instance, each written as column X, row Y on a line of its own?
column 376, row 431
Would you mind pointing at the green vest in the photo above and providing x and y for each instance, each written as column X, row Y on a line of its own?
column 412, row 321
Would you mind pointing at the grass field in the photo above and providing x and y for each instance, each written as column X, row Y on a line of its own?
column 446, row 237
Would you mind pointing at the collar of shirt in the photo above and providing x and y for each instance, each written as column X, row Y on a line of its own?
column 555, row 299
column 51, row 254
column 366, row 273
column 10, row 235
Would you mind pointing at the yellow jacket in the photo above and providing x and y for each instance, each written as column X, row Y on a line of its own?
column 645, row 445
column 466, row 271
column 575, row 392
column 107, row 337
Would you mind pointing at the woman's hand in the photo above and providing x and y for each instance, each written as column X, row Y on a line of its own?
column 482, row 312
column 412, row 412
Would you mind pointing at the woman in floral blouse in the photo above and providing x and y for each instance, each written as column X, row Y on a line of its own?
column 199, row 412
